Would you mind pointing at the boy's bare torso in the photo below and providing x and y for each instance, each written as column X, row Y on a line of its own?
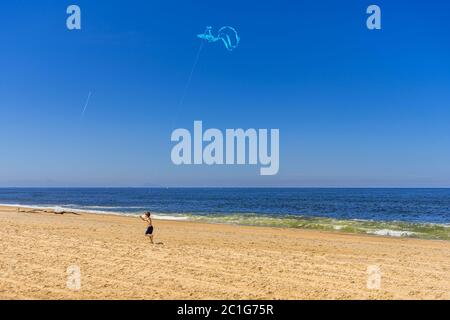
column 149, row 221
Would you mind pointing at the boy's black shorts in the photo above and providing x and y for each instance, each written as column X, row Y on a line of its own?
column 149, row 230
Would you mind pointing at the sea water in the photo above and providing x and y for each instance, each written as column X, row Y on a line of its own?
column 422, row 213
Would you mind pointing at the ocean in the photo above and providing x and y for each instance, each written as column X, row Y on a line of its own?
column 421, row 213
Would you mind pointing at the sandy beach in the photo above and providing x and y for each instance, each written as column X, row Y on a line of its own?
column 208, row 261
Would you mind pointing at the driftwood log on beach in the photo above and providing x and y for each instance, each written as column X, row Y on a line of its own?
column 55, row 211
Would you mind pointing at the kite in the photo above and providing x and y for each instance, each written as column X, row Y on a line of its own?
column 228, row 35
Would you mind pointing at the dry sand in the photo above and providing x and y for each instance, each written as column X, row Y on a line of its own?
column 206, row 261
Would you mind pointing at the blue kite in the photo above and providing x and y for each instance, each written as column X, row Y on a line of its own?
column 228, row 35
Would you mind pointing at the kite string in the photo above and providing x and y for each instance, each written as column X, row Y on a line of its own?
column 186, row 87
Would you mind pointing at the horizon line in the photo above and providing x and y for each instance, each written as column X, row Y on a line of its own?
column 224, row 187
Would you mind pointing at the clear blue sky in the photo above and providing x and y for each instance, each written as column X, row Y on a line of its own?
column 354, row 107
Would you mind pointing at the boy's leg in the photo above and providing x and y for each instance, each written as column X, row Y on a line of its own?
column 150, row 236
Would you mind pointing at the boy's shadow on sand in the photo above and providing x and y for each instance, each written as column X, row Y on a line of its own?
column 159, row 243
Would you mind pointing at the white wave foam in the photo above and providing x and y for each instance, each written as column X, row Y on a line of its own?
column 60, row 209
column 104, row 207
column 392, row 233
column 167, row 217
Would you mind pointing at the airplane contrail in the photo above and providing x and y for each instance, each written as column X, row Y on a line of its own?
column 86, row 104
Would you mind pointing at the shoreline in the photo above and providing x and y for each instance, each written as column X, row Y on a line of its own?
column 68, row 210
column 397, row 229
column 195, row 260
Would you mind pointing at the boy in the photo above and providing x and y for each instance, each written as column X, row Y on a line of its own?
column 149, row 232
